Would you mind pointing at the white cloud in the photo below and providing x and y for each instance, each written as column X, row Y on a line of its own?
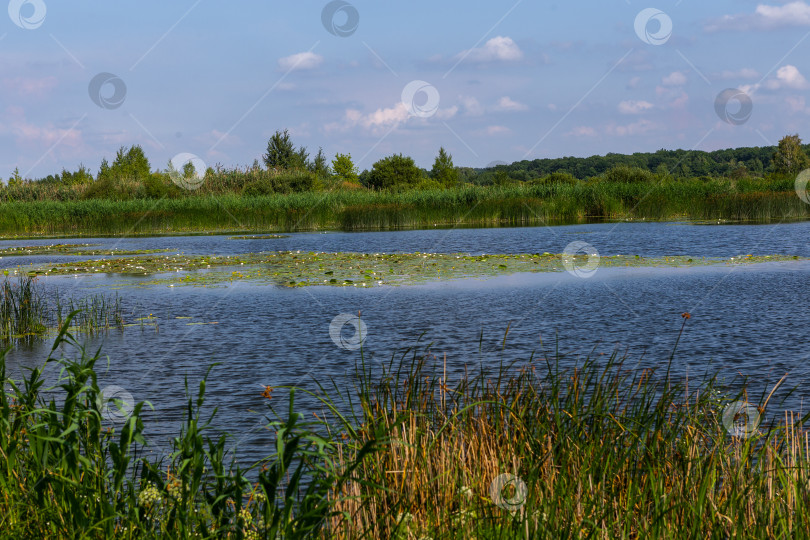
column 498, row 130
column 788, row 77
column 497, row 49
column 508, row 104
column 471, row 106
column 676, row 78
column 381, row 119
column 765, row 17
column 634, row 107
column 636, row 128
column 300, row 61
column 449, row 112
column 790, row 14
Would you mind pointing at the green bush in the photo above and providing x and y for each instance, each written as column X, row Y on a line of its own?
column 394, row 171
column 290, row 182
column 558, row 177
column 623, row 173
column 158, row 186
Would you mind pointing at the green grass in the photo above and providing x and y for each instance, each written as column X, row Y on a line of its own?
column 28, row 314
column 353, row 210
column 595, row 450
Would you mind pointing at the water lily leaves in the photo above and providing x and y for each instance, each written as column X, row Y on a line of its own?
column 299, row 269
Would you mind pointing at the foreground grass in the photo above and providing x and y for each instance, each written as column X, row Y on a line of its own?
column 522, row 204
column 593, row 450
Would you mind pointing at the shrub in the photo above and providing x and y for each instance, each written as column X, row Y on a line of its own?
column 625, row 174
column 394, row 171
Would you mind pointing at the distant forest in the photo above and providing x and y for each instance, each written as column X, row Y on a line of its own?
column 732, row 163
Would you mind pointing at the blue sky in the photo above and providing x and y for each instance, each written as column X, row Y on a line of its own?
column 500, row 81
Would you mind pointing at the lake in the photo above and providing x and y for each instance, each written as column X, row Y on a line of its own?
column 749, row 320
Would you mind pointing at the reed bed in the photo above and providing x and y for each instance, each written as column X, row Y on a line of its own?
column 594, row 451
column 352, row 210
column 27, row 313
column 589, row 451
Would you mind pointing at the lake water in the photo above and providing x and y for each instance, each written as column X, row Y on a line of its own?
column 749, row 320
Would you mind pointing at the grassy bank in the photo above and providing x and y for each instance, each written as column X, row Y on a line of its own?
column 524, row 451
column 353, row 210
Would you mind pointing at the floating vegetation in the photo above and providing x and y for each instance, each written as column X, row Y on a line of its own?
column 79, row 250
column 299, row 269
column 259, row 237
column 27, row 313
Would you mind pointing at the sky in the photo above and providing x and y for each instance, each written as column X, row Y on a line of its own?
column 495, row 81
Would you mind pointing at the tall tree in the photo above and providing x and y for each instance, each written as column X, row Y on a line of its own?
column 344, row 168
column 319, row 165
column 790, row 158
column 281, row 153
column 16, row 179
column 130, row 163
column 443, row 170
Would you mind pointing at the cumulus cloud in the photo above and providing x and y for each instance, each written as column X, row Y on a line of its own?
column 676, row 78
column 788, row 77
column 765, row 17
column 634, row 107
column 382, row 119
column 508, row 104
column 497, row 49
column 300, row 61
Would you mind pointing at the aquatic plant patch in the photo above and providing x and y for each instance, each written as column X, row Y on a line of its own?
column 298, row 269
column 80, row 250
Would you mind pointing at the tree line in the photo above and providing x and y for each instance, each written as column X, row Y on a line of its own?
column 287, row 168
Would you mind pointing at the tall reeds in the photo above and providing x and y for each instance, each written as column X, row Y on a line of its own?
column 520, row 204
column 27, row 313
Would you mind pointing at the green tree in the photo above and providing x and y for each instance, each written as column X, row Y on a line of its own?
column 319, row 165
column 189, row 171
column 790, row 158
column 281, row 153
column 16, row 179
column 131, row 164
column 79, row 178
column 344, row 168
column 444, row 172
column 394, row 171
